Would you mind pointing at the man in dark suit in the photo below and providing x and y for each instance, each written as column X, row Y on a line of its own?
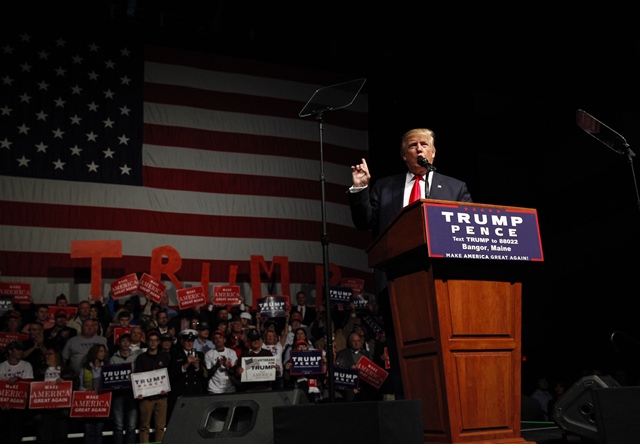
column 374, row 207
column 308, row 313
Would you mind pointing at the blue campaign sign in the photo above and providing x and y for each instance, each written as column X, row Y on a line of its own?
column 486, row 232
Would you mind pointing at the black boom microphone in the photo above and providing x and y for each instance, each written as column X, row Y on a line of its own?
column 424, row 163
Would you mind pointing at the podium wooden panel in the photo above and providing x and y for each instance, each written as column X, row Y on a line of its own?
column 458, row 326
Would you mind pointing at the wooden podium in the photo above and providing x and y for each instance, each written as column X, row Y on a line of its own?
column 457, row 324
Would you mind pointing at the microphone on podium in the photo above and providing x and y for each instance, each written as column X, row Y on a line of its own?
column 424, row 163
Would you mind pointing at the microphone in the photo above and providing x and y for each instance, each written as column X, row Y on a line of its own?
column 424, row 163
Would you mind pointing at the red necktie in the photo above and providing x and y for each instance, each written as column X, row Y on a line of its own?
column 415, row 191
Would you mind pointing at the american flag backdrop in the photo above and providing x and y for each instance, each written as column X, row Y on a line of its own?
column 106, row 138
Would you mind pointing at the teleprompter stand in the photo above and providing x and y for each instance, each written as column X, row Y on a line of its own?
column 324, row 100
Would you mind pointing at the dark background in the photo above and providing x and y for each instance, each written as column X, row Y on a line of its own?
column 500, row 87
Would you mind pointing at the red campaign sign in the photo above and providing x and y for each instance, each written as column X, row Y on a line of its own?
column 19, row 291
column 71, row 311
column 119, row 331
column 86, row 404
column 226, row 295
column 14, row 396
column 151, row 287
column 354, row 283
column 6, row 337
column 124, row 286
column 370, row 372
column 189, row 297
column 50, row 395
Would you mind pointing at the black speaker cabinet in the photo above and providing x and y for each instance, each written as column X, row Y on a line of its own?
column 239, row 418
column 375, row 422
column 575, row 411
column 617, row 414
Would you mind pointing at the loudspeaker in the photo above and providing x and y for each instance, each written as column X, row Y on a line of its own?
column 236, row 418
column 617, row 414
column 575, row 411
column 374, row 422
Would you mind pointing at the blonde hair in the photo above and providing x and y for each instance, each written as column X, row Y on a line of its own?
column 411, row 132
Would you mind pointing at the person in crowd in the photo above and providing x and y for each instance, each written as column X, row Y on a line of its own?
column 137, row 342
column 271, row 342
column 124, row 411
column 236, row 338
column 90, row 377
column 203, row 344
column 35, row 347
column 13, row 370
column 76, row 348
column 299, row 333
column 13, row 322
column 247, row 321
column 187, row 370
column 52, row 425
column 295, row 323
column 308, row 313
column 42, row 316
column 167, row 342
column 255, row 349
column 154, row 406
column 62, row 301
column 374, row 204
column 100, row 313
column 83, row 313
column 220, row 313
column 543, row 395
column 221, row 366
column 348, row 358
column 60, row 333
column 311, row 384
column 123, row 322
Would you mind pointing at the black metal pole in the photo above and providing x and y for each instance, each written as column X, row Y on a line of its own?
column 325, row 263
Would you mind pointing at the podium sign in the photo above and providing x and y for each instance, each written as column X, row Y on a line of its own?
column 475, row 231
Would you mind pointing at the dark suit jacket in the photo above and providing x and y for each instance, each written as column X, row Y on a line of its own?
column 375, row 207
column 309, row 315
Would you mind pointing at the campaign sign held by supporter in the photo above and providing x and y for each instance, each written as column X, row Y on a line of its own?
column 6, row 304
column 272, row 307
column 19, row 291
column 345, row 378
column 150, row 383
column 50, row 395
column 7, row 337
column 357, row 285
column 125, row 286
column 340, row 296
column 370, row 372
column 190, row 297
column 306, row 362
column 258, row 368
column 151, row 288
column 116, row 376
column 86, row 404
column 226, row 295
column 14, row 396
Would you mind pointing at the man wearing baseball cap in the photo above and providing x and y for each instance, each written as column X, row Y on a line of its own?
column 187, row 372
column 254, row 340
column 221, row 364
column 60, row 333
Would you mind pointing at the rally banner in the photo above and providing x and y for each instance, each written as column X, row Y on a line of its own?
column 19, row 291
column 345, row 378
column 50, row 395
column 306, row 362
column 88, row 404
column 357, row 285
column 150, row 383
column 116, row 376
column 151, row 288
column 272, row 307
column 370, row 372
column 340, row 296
column 258, row 368
column 226, row 295
column 125, row 286
column 6, row 337
column 190, row 297
column 119, row 331
column 14, row 396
